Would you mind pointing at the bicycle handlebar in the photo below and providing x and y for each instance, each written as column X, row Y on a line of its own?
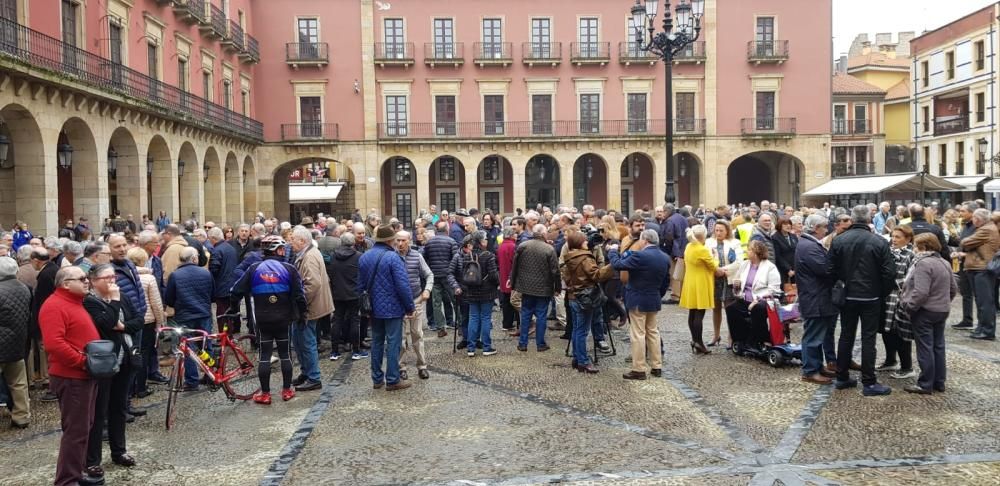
column 184, row 330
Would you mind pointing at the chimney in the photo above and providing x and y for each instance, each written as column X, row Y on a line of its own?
column 842, row 64
column 903, row 47
column 866, row 48
column 883, row 38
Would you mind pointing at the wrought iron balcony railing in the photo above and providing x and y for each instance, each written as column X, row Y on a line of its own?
column 292, row 132
column 394, row 53
column 629, row 52
column 492, row 53
column 307, row 53
column 847, row 169
column 252, row 52
column 74, row 64
column 954, row 125
column 851, row 127
column 541, row 52
column 767, row 51
column 191, row 11
column 217, row 22
column 768, row 126
column 693, row 53
column 590, row 52
column 444, row 53
column 234, row 40
column 537, row 128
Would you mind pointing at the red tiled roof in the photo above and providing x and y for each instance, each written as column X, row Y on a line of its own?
column 878, row 59
column 899, row 91
column 847, row 84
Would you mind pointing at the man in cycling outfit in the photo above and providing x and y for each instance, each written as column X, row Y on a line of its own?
column 276, row 300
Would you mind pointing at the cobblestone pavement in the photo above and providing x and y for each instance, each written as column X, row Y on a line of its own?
column 528, row 418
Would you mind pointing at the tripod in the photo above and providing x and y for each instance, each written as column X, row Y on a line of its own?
column 570, row 322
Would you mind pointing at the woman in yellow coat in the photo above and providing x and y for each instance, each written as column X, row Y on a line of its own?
column 698, row 294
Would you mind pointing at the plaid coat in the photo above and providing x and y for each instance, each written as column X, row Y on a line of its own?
column 893, row 322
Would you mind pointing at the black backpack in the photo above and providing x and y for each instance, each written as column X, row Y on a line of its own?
column 472, row 274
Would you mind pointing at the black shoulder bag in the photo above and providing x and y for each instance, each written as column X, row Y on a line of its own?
column 365, row 297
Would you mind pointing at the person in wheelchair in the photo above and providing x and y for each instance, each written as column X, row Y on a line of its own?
column 756, row 279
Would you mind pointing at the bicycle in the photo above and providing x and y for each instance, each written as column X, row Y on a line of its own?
column 229, row 368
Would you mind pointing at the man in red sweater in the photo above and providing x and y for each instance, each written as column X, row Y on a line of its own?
column 66, row 330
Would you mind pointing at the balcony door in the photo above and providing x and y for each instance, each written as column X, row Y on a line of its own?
column 311, row 116
column 860, row 119
column 637, row 113
column 69, row 33
column 395, row 44
column 765, row 110
column 765, row 36
column 588, row 38
column 541, row 38
column 685, row 119
column 493, row 114
column 115, row 51
column 839, row 119
column 541, row 114
column 308, row 39
column 8, row 28
column 590, row 113
column 444, row 111
column 444, row 39
column 492, row 39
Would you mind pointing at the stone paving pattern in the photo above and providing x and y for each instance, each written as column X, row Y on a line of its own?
column 528, row 418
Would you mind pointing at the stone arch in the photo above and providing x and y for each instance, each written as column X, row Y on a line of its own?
column 215, row 190
column 400, row 179
column 80, row 187
column 161, row 179
column 446, row 178
column 637, row 182
column 27, row 180
column 234, row 187
column 495, row 180
column 689, row 170
column 321, row 185
column 189, row 173
column 772, row 175
column 541, row 181
column 250, row 187
column 127, row 183
column 590, row 181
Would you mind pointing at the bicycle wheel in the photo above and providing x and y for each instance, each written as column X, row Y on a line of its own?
column 238, row 358
column 176, row 385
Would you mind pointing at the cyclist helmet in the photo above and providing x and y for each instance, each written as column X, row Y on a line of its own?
column 270, row 244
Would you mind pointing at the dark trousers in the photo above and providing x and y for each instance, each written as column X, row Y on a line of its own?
column 76, row 408
column 323, row 325
column 870, row 315
column 346, row 326
column 111, row 405
column 984, row 286
column 222, row 307
column 897, row 347
column 928, row 328
column 149, row 353
column 965, row 287
column 814, row 331
column 509, row 313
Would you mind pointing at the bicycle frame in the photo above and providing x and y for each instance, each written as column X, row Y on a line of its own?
column 183, row 349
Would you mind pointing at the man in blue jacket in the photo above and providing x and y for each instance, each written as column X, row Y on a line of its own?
column 221, row 265
column 382, row 274
column 647, row 283
column 189, row 292
column 815, row 283
column 127, row 279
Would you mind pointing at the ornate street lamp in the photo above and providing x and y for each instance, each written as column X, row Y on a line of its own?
column 149, row 166
column 4, row 148
column 180, row 169
column 206, row 172
column 983, row 145
column 64, row 155
column 112, row 162
column 666, row 45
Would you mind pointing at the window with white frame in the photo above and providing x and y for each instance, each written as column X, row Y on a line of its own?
column 396, row 116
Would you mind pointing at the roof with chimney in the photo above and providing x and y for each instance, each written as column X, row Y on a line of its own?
column 845, row 84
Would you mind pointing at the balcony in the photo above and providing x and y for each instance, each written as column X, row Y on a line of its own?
column 768, row 127
column 190, row 11
column 631, row 52
column 692, row 54
column 590, row 53
column 842, row 127
column 493, row 54
column 541, row 53
column 234, row 40
column 767, row 52
column 75, row 65
column 310, row 132
column 689, row 127
column 532, row 129
column 307, row 54
column 848, row 169
column 217, row 23
column 952, row 125
column 444, row 53
column 251, row 54
column 394, row 54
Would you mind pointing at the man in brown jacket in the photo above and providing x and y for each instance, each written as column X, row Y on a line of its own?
column 979, row 249
column 319, row 303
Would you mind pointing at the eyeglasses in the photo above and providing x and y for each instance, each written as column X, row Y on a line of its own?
column 106, row 277
column 81, row 279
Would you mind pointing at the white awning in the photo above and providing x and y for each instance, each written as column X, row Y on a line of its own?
column 992, row 186
column 968, row 183
column 882, row 183
column 302, row 193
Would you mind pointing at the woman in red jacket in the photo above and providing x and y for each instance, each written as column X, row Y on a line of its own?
column 505, row 260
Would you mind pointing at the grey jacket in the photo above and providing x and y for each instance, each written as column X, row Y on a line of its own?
column 925, row 285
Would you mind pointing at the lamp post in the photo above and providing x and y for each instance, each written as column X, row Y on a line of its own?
column 983, row 144
column 665, row 45
column 112, row 162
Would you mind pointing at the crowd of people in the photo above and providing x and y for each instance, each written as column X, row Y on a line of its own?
column 361, row 288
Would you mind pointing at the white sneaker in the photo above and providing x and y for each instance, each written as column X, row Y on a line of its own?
column 274, row 359
column 903, row 374
column 885, row 367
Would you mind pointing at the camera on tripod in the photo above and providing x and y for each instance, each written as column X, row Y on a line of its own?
column 594, row 236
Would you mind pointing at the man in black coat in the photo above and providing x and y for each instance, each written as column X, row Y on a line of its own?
column 15, row 313
column 45, row 286
column 919, row 224
column 342, row 270
column 863, row 261
column 815, row 284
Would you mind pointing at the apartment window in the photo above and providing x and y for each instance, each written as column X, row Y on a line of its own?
column 636, row 112
column 446, row 169
column 925, row 117
column 590, row 113
column 980, row 107
column 943, row 159
column 182, row 73
column 404, row 208
column 959, row 158
column 927, row 160
column 541, row 38
column 245, row 102
column 840, row 155
column 308, row 38
column 311, row 116
column 444, row 39
column 206, row 85
column 448, row 202
column 227, row 94
column 949, row 65
column 69, row 21
column 925, row 70
column 115, row 49
column 839, row 119
column 492, row 39
column 764, row 35
column 153, row 57
column 492, row 200
column 861, row 154
column 626, row 201
column 588, row 37
column 493, row 114
column 541, row 114
column 491, row 170
column 684, row 119
column 861, row 119
column 395, row 43
column 444, row 109
column 765, row 110
column 402, row 171
column 395, row 116
column 980, row 53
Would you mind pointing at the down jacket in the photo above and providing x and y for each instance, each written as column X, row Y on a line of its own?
column 536, row 269
column 15, row 313
column 438, row 253
column 390, row 292
column 127, row 278
column 484, row 292
column 189, row 292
